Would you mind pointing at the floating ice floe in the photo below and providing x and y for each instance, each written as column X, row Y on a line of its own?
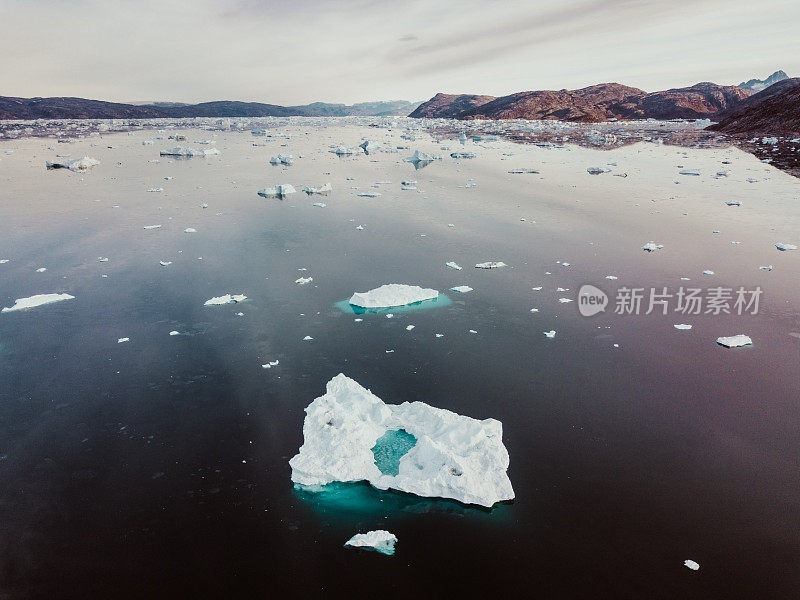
column 174, row 332
column 392, row 294
column 735, row 341
column 41, row 269
column 408, row 185
column 682, row 326
column 379, row 540
column 37, row 300
column 490, row 265
column 652, row 247
column 422, row 157
column 766, row 267
column 733, row 202
column 694, row 172
column 181, row 151
column 784, row 247
column 351, row 435
column 282, row 159
column 343, row 150
column 691, row 564
column 123, row 340
column 708, row 272
column 549, row 334
column 462, row 155
column 369, row 194
column 370, row 146
column 152, row 227
column 453, row 265
column 79, row 164
column 270, row 364
column 226, row 299
column 307, row 338
column 597, row 170
column 462, row 289
column 165, row 263
column 156, row 190
column 303, row 280
column 524, row 171
column 279, row 191
column 325, row 188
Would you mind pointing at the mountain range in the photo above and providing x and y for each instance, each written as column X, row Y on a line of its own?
column 81, row 108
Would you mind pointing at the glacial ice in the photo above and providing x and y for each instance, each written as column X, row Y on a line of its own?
column 79, row 164
column 282, row 159
column 490, row 265
column 453, row 265
column 343, row 150
column 422, row 157
column 735, row 341
column 454, row 456
column 279, row 191
column 181, row 151
column 379, row 540
column 226, row 299
column 37, row 300
column 652, row 247
column 694, row 566
column 325, row 188
column 392, row 294
column 370, row 146
column 784, row 247
column 461, row 288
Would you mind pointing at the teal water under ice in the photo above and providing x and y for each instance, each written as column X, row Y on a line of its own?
column 440, row 301
column 390, row 448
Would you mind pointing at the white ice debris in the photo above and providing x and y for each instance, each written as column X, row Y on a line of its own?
column 123, row 340
column 370, row 146
column 152, row 227
column 174, row 332
column 37, row 300
column 783, row 247
column 422, row 157
column 343, row 150
column 682, row 326
column 735, row 341
column 392, row 294
column 279, row 191
column 321, row 189
column 490, row 265
column 597, row 170
column 453, row 265
column 461, row 288
column 550, row 334
column 181, row 151
column 462, row 155
column 303, row 280
column 226, row 299
column 694, row 172
column 652, row 247
column 733, row 202
column 320, row 204
column 282, row 159
column 691, row 564
column 270, row 364
column 190, row 230
column 369, row 194
column 79, row 164
column 379, row 540
column 452, row 456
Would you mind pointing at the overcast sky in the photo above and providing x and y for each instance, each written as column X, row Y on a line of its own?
column 299, row 51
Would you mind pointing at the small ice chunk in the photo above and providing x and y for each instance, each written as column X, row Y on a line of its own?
column 190, row 230
column 490, row 265
column 174, row 332
column 691, row 564
column 453, row 265
column 461, row 288
column 41, row 269
column 422, row 157
column 325, row 188
column 766, row 267
column 165, row 263
column 343, row 150
column 156, row 190
column 652, row 247
column 410, row 327
column 597, row 170
column 122, row 340
column 279, row 191
column 37, row 300
column 270, row 364
column 733, row 202
column 708, row 272
column 379, row 540
column 682, row 326
column 369, row 194
column 80, row 164
column 735, row 341
column 307, row 338
column 152, row 227
column 784, row 247
column 462, row 155
column 392, row 294
column 282, row 159
column 550, row 334
column 694, row 172
column 303, row 280
column 226, row 299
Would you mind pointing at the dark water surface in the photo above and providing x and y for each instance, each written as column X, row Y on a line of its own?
column 159, row 467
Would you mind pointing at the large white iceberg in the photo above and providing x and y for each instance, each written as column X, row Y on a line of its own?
column 422, row 450
column 79, row 164
column 379, row 540
column 392, row 294
column 37, row 300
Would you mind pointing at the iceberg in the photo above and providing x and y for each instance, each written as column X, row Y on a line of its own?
column 37, row 300
column 181, row 151
column 784, row 247
column 325, row 188
column 735, row 341
column 282, row 159
column 694, row 172
column 279, row 191
column 379, row 540
column 490, row 265
column 343, row 150
column 693, row 565
column 422, row 157
column 226, row 299
column 370, row 146
column 392, row 294
column 423, row 450
column 462, row 155
column 597, row 170
column 463, row 289
column 652, row 247
column 453, row 265
column 79, row 164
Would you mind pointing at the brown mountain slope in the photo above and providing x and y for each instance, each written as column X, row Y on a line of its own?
column 777, row 114
column 772, row 90
column 595, row 103
column 587, row 104
column 448, row 106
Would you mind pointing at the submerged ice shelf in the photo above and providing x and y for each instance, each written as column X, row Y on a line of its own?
column 351, row 435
